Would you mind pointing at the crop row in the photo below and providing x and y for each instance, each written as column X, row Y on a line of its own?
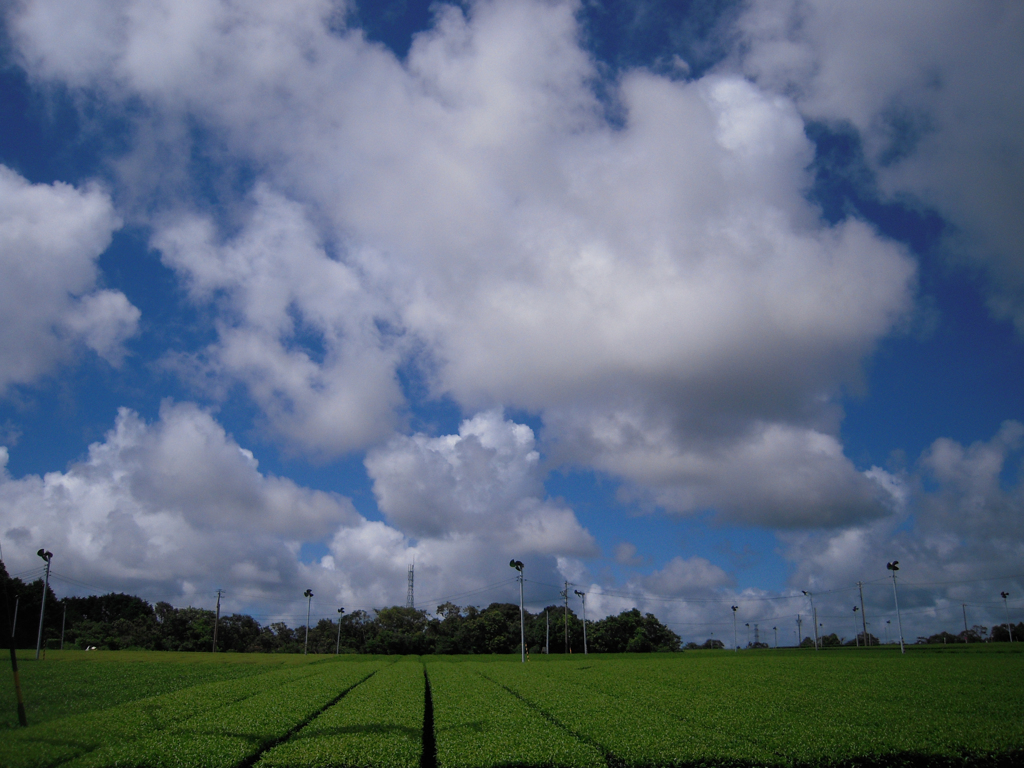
column 478, row 724
column 755, row 709
column 228, row 735
column 626, row 726
column 58, row 741
column 379, row 724
column 61, row 687
column 781, row 711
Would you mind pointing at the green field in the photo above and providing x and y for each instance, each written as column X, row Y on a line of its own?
column 699, row 708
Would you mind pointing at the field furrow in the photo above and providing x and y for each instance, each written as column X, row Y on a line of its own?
column 379, row 724
column 60, row 740
column 629, row 728
column 229, row 735
column 478, row 724
column 802, row 709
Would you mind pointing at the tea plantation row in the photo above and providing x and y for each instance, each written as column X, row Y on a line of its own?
column 701, row 708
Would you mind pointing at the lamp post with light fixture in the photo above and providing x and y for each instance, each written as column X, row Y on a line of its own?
column 518, row 565
column 308, row 594
column 893, row 567
column 337, row 648
column 47, row 556
column 1009, row 626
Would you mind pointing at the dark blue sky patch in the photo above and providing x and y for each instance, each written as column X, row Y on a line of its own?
column 961, row 381
column 392, row 22
column 39, row 132
column 652, row 33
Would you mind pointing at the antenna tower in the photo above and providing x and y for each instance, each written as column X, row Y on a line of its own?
column 409, row 603
column 757, row 636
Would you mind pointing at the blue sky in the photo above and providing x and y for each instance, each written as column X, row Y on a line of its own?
column 688, row 304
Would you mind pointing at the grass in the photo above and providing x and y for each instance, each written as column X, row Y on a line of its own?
column 945, row 705
column 378, row 723
column 71, row 682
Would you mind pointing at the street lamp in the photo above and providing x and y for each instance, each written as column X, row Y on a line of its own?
column 1009, row 626
column 47, row 556
column 308, row 594
column 583, row 597
column 735, row 641
column 518, row 565
column 337, row 648
column 895, row 566
column 887, row 623
column 814, row 615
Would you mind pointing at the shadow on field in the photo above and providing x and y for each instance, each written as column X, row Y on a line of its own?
column 369, row 728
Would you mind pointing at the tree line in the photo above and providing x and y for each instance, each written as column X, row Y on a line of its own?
column 119, row 621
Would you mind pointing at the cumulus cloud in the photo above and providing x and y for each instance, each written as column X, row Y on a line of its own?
column 471, row 214
column 626, row 554
column 50, row 237
column 485, row 482
column 686, row 576
column 933, row 93
column 960, row 530
column 175, row 508
column 154, row 506
column 298, row 328
column 790, row 476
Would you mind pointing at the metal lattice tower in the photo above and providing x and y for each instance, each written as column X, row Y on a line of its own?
column 757, row 636
column 409, row 603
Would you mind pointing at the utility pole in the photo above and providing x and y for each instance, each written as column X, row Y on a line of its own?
column 216, row 622
column 337, row 647
column 895, row 566
column 308, row 594
column 855, row 639
column 735, row 641
column 565, row 596
column 63, row 622
column 863, row 616
column 47, row 556
column 547, row 636
column 799, row 630
column 583, row 598
column 964, row 606
column 776, row 638
column 518, row 565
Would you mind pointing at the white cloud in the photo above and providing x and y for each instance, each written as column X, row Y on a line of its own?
column 297, row 327
column 177, row 508
column 769, row 473
column 934, row 92
column 471, row 213
column 50, row 237
column 626, row 554
column 484, row 482
column 155, row 505
column 962, row 528
column 691, row 576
